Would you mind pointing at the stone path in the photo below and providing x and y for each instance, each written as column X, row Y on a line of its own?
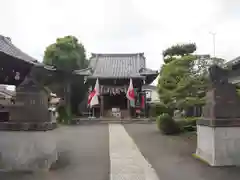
column 171, row 156
column 126, row 161
column 117, row 152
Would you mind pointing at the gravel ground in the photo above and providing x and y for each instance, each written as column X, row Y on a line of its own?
column 84, row 154
column 171, row 156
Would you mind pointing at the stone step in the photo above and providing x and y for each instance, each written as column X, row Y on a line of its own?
column 112, row 121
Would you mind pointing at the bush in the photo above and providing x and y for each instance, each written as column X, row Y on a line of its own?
column 159, row 108
column 167, row 125
column 63, row 115
column 188, row 123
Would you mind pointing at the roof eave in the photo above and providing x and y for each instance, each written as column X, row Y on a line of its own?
column 150, row 78
column 115, row 77
column 83, row 72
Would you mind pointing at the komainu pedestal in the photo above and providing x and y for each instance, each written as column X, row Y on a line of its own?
column 27, row 151
column 26, row 142
column 218, row 131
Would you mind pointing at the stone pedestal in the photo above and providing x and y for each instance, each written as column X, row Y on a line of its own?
column 27, row 151
column 219, row 146
column 218, row 131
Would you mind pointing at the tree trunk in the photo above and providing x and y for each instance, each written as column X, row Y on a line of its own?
column 67, row 97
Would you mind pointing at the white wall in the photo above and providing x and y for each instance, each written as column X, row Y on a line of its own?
column 154, row 96
column 219, row 146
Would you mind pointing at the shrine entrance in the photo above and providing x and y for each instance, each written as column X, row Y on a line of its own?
column 118, row 100
column 115, row 105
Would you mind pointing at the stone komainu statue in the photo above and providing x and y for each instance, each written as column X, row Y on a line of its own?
column 218, row 74
column 222, row 101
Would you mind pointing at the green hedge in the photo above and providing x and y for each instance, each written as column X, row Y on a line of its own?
column 188, row 123
column 157, row 109
column 167, row 125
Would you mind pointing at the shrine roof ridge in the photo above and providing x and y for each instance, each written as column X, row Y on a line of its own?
column 8, row 48
column 117, row 65
column 233, row 62
column 116, row 54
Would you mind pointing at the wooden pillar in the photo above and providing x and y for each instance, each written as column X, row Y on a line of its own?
column 101, row 106
column 129, row 109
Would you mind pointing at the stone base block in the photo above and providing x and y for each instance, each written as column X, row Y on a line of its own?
column 219, row 146
column 27, row 126
column 27, row 151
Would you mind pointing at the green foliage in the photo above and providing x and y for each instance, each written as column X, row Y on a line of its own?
column 179, row 50
column 64, row 116
column 203, row 63
column 184, row 77
column 167, row 125
column 159, row 108
column 66, row 54
column 177, row 81
column 188, row 124
column 238, row 90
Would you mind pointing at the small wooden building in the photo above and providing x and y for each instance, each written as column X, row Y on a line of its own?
column 114, row 72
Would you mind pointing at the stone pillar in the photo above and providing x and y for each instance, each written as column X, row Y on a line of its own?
column 218, row 141
column 129, row 109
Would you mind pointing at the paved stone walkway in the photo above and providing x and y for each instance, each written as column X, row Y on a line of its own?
column 126, row 161
column 171, row 156
column 114, row 152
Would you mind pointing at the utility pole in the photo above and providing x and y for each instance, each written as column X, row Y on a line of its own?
column 214, row 43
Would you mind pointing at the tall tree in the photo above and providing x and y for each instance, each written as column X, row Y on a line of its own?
column 184, row 76
column 67, row 55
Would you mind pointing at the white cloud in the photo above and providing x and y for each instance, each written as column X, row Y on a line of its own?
column 147, row 26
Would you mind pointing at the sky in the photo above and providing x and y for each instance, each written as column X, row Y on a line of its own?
column 124, row 26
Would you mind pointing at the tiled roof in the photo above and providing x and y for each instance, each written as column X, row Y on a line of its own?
column 147, row 71
column 85, row 72
column 233, row 62
column 147, row 86
column 117, row 65
column 8, row 48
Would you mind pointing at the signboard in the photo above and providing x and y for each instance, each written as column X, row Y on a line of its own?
column 112, row 89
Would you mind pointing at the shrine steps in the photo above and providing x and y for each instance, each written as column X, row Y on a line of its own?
column 112, row 121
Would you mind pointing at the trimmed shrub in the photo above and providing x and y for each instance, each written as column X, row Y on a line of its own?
column 188, row 123
column 167, row 125
column 159, row 108
column 64, row 116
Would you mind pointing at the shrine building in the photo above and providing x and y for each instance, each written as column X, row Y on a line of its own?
column 114, row 72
